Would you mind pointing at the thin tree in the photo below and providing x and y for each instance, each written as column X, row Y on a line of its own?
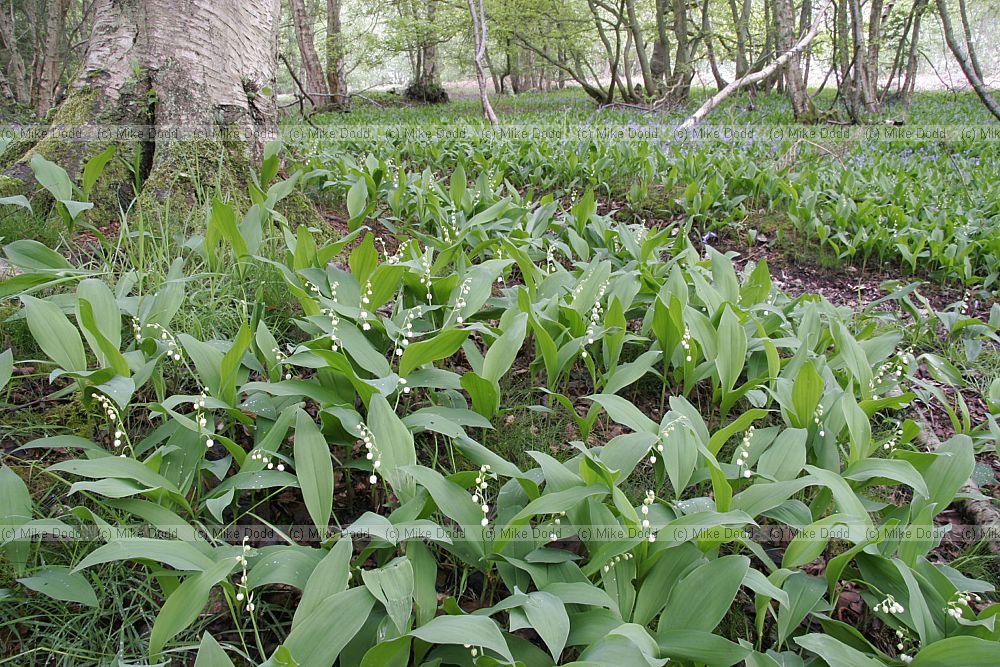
column 315, row 83
column 479, row 40
column 759, row 75
column 964, row 53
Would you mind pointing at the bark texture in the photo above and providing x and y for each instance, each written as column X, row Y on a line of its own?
column 336, row 75
column 802, row 106
column 16, row 72
column 49, row 79
column 316, row 88
column 172, row 65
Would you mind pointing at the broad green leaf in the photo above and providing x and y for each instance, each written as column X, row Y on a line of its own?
column 966, row 651
column 806, row 394
column 6, row 367
column 393, row 443
column 185, row 604
column 175, row 553
column 474, row 630
column 624, row 412
column 62, row 584
column 331, row 576
column 700, row 647
column 732, row 350
column 320, row 637
column 52, row 177
column 314, row 470
column 804, row 592
column 210, row 654
column 54, row 333
column 423, row 352
column 548, row 617
column 835, row 653
column 392, row 585
column 93, row 169
column 31, row 255
column 703, row 597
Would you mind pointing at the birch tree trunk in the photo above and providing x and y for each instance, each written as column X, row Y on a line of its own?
column 49, row 79
column 311, row 67
column 479, row 39
column 172, row 65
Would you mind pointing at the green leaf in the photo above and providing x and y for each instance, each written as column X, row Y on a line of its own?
column 702, row 598
column 207, row 361
column 700, row 647
column 357, row 199
column 114, row 466
column 229, row 367
column 440, row 346
column 804, row 592
column 320, row 637
column 548, row 617
column 331, row 576
column 836, row 653
column 392, row 585
column 54, row 333
column 6, row 367
column 474, row 630
column 106, row 351
column 210, row 654
column 892, row 469
column 394, row 443
column 185, row 604
column 966, row 651
column 502, row 353
column 93, row 169
column 62, row 584
column 624, row 412
column 314, row 470
column 177, row 554
column 806, row 394
column 52, row 177
column 31, row 255
column 732, row 350
column 16, row 200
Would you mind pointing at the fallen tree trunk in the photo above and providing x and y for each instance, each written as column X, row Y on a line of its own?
column 759, row 75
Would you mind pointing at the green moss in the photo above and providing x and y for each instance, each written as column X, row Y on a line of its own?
column 10, row 186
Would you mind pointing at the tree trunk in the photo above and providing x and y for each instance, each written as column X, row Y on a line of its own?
column 864, row 83
column 336, row 75
column 706, row 30
column 741, row 18
column 802, row 106
column 479, row 37
column 962, row 55
column 52, row 58
column 6, row 94
column 640, row 49
column 679, row 85
column 754, row 77
column 315, row 81
column 205, row 65
column 16, row 72
column 963, row 13
column 910, row 82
